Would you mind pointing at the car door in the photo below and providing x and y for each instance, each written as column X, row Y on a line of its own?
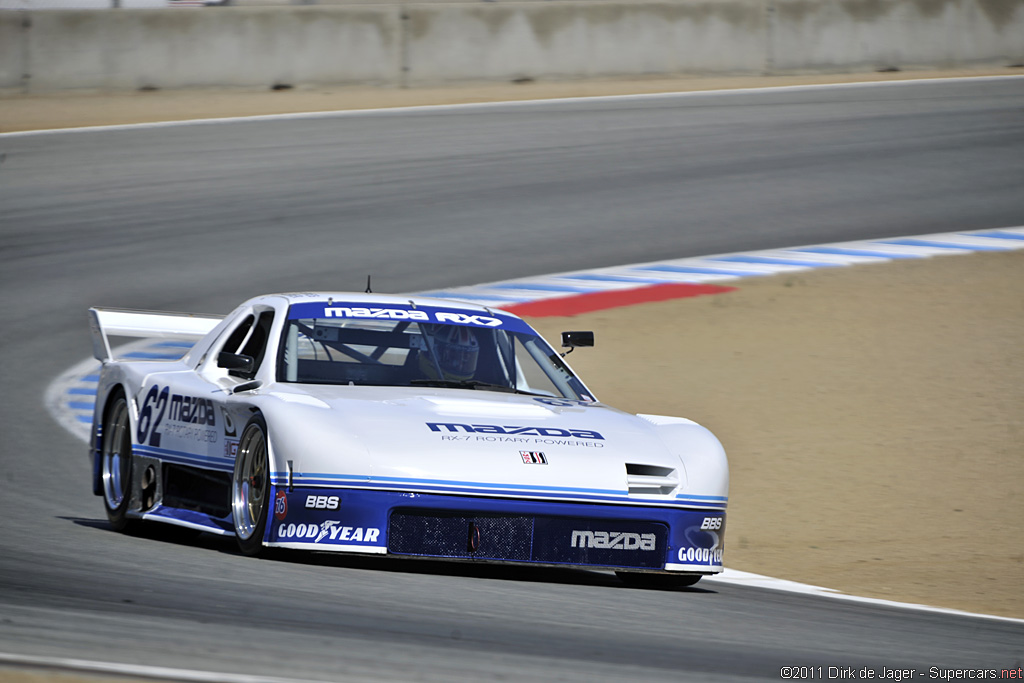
column 187, row 418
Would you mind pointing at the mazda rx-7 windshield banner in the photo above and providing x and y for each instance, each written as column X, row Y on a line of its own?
column 421, row 314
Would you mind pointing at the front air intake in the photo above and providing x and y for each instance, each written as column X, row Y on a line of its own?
column 650, row 480
column 537, row 539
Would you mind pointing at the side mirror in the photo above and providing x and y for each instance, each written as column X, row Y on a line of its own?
column 574, row 339
column 236, row 364
column 571, row 340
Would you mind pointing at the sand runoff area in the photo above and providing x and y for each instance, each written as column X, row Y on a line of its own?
column 873, row 415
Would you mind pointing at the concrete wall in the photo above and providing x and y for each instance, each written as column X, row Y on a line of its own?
column 418, row 44
column 173, row 48
column 12, row 48
column 581, row 40
column 834, row 35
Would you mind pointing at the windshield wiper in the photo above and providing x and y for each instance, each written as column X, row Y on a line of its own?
column 469, row 384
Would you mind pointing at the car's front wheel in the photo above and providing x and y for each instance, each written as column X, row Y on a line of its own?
column 250, row 487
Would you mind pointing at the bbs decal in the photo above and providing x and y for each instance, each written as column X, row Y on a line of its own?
column 160, row 403
column 323, row 502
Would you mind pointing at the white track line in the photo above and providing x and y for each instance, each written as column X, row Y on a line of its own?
column 138, row 670
column 440, row 108
column 738, row 578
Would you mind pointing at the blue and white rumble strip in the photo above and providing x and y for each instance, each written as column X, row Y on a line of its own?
column 70, row 398
column 725, row 267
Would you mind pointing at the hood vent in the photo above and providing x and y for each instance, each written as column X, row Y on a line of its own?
column 650, row 480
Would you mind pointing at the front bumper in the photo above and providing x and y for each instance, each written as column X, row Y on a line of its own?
column 498, row 529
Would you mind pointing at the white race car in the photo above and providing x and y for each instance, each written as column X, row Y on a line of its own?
column 365, row 423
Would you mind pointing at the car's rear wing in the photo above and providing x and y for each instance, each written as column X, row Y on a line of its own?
column 113, row 322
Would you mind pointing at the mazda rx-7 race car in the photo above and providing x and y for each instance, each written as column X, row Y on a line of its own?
column 364, row 423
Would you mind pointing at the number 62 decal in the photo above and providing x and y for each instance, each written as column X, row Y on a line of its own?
column 156, row 399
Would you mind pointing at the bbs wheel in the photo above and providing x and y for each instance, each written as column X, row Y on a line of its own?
column 250, row 487
column 116, row 463
column 644, row 580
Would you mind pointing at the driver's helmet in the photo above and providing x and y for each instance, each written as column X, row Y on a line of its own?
column 457, row 352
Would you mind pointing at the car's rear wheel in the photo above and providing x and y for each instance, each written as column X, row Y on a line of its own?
column 645, row 580
column 116, row 463
column 250, row 487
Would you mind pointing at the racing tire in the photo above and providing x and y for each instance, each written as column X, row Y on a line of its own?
column 250, row 487
column 116, row 463
column 644, row 580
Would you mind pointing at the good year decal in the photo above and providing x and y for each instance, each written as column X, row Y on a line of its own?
column 331, row 531
column 319, row 518
column 702, row 544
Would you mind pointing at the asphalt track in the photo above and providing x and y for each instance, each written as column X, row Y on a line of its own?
column 201, row 217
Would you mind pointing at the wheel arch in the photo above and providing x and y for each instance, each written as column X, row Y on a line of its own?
column 276, row 462
column 253, row 544
column 116, row 391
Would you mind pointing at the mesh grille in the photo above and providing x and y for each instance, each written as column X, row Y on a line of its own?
column 527, row 538
column 478, row 536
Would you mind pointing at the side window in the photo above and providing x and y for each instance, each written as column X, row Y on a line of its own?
column 256, row 345
column 235, row 339
column 537, row 380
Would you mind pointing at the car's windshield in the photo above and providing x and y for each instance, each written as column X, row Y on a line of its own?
column 395, row 345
